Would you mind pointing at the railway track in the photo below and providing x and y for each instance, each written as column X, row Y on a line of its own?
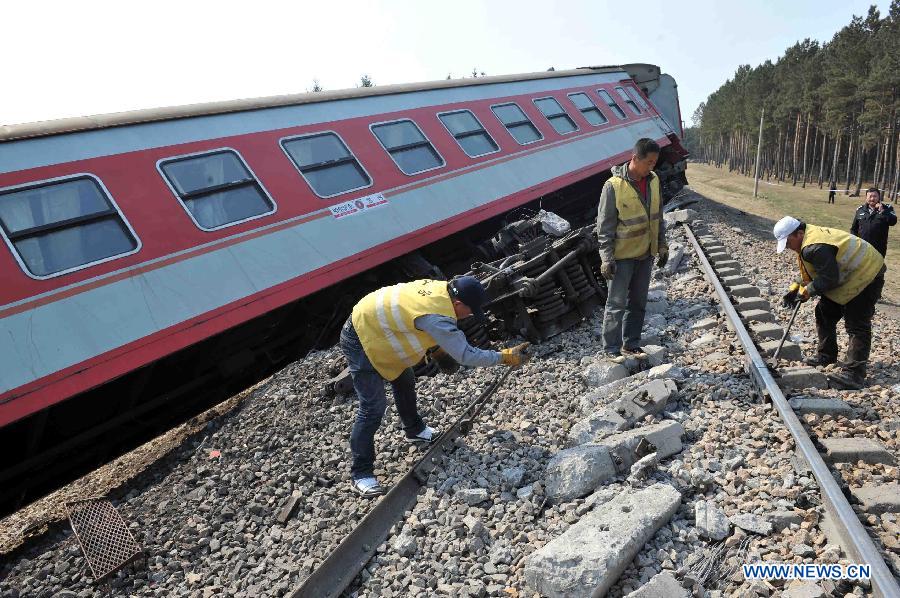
column 854, row 538
column 208, row 525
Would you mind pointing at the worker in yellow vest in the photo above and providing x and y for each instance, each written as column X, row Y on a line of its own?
column 631, row 232
column 390, row 331
column 848, row 275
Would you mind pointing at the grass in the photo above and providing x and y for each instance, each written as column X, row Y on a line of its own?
column 783, row 199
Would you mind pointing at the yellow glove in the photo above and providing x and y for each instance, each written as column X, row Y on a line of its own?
column 803, row 294
column 515, row 356
column 791, row 296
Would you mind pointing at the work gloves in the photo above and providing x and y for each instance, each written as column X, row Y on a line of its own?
column 796, row 294
column 663, row 257
column 515, row 356
column 608, row 269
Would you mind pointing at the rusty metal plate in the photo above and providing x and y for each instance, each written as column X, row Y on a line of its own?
column 105, row 540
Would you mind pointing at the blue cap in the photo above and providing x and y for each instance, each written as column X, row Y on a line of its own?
column 470, row 291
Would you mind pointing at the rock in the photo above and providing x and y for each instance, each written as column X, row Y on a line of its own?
column 803, row 589
column 803, row 550
column 752, row 523
column 604, row 372
column 647, row 399
column 628, row 447
column 590, row 556
column 657, row 307
column 525, row 492
column 405, row 544
column 576, row 472
column 642, row 469
column 711, row 521
column 661, row 585
column 706, row 339
column 513, row 476
column 656, row 354
column 472, row 496
column 783, row 519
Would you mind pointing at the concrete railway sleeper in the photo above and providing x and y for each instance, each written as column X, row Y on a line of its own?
column 855, row 539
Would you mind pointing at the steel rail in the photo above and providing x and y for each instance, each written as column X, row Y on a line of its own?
column 345, row 562
column 855, row 538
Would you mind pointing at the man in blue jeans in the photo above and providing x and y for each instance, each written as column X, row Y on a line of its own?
column 388, row 332
column 631, row 232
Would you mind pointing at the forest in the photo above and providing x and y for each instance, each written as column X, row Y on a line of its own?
column 829, row 111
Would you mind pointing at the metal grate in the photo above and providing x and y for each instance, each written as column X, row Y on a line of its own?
column 104, row 538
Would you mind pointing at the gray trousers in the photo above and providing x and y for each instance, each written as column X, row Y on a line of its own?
column 627, row 297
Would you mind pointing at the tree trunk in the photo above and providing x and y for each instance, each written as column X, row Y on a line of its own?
column 859, row 167
column 796, row 152
column 822, row 153
column 834, row 162
column 877, row 167
column 850, row 149
column 806, row 150
column 896, row 185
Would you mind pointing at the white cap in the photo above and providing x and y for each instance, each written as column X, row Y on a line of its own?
column 783, row 228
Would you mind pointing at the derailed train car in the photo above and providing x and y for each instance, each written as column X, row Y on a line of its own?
column 155, row 262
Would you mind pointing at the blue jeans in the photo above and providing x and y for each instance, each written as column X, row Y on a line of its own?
column 627, row 297
column 369, row 386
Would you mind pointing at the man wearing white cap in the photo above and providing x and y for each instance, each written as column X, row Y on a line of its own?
column 848, row 274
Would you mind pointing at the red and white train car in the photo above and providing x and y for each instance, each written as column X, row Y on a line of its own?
column 135, row 244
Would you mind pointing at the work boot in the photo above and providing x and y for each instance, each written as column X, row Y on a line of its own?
column 636, row 353
column 847, row 380
column 819, row 360
column 613, row 357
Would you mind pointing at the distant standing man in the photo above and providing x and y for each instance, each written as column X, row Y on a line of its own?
column 848, row 273
column 631, row 232
column 388, row 332
column 832, row 188
column 872, row 220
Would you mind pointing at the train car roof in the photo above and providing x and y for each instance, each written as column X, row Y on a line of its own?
column 115, row 119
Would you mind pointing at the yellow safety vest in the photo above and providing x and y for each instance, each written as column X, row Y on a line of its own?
column 858, row 262
column 637, row 231
column 385, row 322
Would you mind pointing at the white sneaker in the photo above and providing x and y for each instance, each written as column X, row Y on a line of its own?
column 367, row 487
column 426, row 436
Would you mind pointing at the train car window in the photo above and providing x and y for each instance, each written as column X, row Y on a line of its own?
column 637, row 97
column 327, row 165
column 410, row 149
column 628, row 100
column 216, row 188
column 556, row 114
column 468, row 132
column 588, row 108
column 611, row 103
column 517, row 123
column 58, row 226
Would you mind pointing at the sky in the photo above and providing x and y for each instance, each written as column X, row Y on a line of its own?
column 63, row 58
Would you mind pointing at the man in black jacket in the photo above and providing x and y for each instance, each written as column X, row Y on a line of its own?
column 872, row 220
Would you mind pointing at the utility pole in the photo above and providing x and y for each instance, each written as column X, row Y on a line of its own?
column 758, row 152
